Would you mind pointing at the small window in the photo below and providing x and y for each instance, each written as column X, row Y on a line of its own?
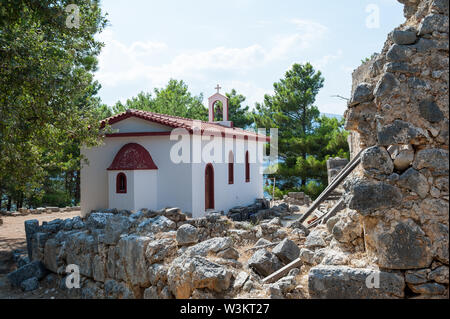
column 121, row 183
column 230, row 168
column 247, row 168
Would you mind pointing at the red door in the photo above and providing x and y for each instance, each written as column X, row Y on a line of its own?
column 209, row 187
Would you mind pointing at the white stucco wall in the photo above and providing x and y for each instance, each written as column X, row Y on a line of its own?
column 121, row 200
column 174, row 181
column 227, row 196
column 181, row 185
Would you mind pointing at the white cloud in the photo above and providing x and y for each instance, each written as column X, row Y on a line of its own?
column 152, row 64
column 327, row 59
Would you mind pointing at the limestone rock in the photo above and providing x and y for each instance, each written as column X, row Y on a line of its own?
column 187, row 234
column 429, row 289
column 159, row 249
column 30, row 284
column 433, row 22
column 402, row 246
column 376, row 160
column 414, row 181
column 189, row 273
column 286, row 251
column 363, row 93
column 404, row 37
column 342, row 282
column 33, row 269
column 264, row 262
column 155, row 225
column 132, row 251
column 114, row 227
column 211, row 245
column 307, row 256
column 432, row 158
column 315, row 239
column 368, row 197
column 440, row 275
column 117, row 290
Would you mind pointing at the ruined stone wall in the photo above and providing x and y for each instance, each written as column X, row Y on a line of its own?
column 399, row 113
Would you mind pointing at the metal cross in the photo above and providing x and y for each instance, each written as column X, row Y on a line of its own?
column 217, row 88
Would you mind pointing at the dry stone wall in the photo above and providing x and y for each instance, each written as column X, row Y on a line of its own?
column 399, row 113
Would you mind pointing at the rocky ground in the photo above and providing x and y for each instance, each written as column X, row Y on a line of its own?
column 164, row 254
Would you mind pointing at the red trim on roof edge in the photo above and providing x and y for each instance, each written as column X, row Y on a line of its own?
column 132, row 156
column 179, row 122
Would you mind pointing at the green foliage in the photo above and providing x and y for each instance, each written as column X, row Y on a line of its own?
column 305, row 139
column 174, row 99
column 47, row 90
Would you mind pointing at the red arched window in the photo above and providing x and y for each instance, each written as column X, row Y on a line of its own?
column 121, row 183
column 247, row 168
column 230, row 168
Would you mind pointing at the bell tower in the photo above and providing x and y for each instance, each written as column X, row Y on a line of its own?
column 212, row 101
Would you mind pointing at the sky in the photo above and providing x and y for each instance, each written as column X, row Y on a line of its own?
column 242, row 44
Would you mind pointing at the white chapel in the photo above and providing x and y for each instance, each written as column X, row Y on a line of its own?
column 155, row 160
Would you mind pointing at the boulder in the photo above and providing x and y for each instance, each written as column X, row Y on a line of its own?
column 414, row 181
column 431, row 288
column 315, row 239
column 33, row 269
column 31, row 227
column 117, row 290
column 30, row 284
column 264, row 262
column 132, row 253
column 97, row 220
column 342, row 282
column 187, row 234
column 159, row 249
column 403, row 245
column 189, row 273
column 404, row 37
column 376, row 160
column 213, row 245
column 155, row 225
column 114, row 227
column 368, row 197
column 286, row 251
column 307, row 256
column 435, row 159
column 440, row 275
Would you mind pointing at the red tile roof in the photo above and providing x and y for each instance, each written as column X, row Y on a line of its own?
column 182, row 122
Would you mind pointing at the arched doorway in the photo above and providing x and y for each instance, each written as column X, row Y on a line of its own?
column 209, row 187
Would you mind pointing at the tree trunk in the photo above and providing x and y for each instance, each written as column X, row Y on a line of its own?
column 8, row 205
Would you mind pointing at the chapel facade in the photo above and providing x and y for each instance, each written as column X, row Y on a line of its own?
column 155, row 161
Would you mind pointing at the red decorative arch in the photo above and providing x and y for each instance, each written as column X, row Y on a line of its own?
column 132, row 156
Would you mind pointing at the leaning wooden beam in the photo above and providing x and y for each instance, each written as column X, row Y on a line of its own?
column 336, row 208
column 282, row 272
column 335, row 183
